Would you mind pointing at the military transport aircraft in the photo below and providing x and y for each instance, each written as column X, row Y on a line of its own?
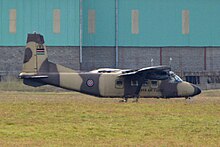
column 157, row 81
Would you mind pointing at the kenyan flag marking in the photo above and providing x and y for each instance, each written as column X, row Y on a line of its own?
column 40, row 51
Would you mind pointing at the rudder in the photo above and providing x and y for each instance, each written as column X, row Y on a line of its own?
column 35, row 59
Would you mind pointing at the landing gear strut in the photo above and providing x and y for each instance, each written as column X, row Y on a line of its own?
column 135, row 99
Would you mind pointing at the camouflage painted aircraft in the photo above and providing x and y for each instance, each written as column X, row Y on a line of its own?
column 157, row 81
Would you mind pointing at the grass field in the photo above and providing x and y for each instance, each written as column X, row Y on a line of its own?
column 73, row 119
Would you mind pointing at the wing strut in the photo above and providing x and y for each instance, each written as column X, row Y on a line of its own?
column 137, row 92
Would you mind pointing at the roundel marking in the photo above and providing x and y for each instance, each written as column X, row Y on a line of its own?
column 27, row 55
column 90, row 83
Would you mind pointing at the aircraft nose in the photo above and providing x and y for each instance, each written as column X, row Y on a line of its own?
column 186, row 89
column 197, row 90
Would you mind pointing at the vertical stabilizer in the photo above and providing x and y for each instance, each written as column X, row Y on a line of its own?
column 35, row 59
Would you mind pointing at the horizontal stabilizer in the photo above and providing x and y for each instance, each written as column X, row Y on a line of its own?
column 27, row 76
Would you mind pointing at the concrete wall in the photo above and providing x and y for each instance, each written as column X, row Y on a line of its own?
column 186, row 59
column 98, row 57
column 67, row 56
column 213, row 59
column 131, row 57
column 11, row 58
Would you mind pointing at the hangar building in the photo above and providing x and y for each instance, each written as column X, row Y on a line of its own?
column 89, row 34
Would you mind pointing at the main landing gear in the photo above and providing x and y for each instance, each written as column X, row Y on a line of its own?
column 125, row 100
column 136, row 98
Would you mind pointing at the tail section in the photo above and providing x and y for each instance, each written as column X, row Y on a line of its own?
column 38, row 71
column 35, row 62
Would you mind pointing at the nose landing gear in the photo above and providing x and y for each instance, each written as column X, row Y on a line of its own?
column 125, row 100
column 189, row 99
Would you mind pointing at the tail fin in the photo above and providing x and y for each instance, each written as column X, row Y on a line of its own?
column 35, row 61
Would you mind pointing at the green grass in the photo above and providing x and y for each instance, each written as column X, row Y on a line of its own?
column 73, row 119
column 17, row 85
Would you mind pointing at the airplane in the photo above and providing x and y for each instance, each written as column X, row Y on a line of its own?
column 149, row 82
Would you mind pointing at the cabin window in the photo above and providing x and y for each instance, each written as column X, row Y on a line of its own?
column 134, row 83
column 154, row 84
column 119, row 84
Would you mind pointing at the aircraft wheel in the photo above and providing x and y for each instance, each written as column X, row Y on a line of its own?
column 124, row 100
column 135, row 101
column 189, row 99
column 136, row 98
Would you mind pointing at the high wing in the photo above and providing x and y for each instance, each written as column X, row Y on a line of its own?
column 152, row 73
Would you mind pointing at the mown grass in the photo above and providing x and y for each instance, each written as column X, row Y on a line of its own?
column 73, row 119
column 17, row 85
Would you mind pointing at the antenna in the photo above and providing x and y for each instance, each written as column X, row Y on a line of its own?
column 152, row 62
column 170, row 62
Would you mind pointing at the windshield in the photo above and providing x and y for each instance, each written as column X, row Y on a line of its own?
column 174, row 77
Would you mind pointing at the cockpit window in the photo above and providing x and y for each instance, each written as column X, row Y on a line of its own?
column 178, row 78
column 174, row 77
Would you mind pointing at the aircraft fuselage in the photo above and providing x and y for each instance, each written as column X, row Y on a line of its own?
column 111, row 85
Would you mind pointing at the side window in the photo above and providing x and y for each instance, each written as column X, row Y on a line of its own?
column 134, row 83
column 154, row 84
column 119, row 83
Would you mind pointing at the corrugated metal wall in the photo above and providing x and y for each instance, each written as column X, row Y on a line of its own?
column 104, row 34
column 37, row 15
column 141, row 22
column 160, row 23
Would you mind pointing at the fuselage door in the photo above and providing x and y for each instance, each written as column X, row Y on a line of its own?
column 150, row 89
